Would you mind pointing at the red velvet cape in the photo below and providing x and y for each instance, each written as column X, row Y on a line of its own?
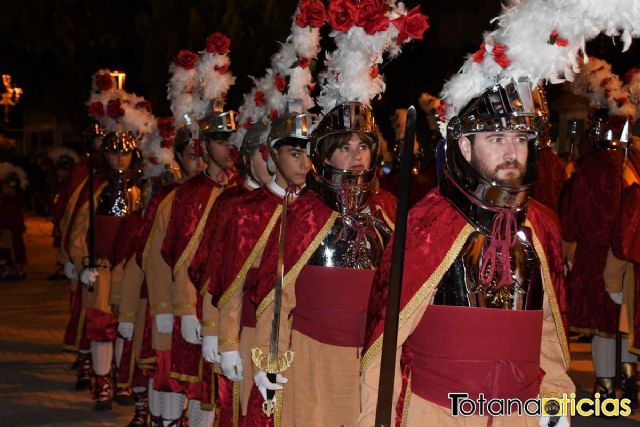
column 587, row 216
column 433, row 227
column 186, row 210
column 551, row 177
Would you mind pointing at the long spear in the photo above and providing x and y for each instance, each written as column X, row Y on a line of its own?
column 390, row 337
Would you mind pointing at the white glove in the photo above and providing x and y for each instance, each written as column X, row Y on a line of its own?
column 70, row 271
column 231, row 364
column 263, row 383
column 616, row 297
column 562, row 421
column 89, row 276
column 210, row 349
column 164, row 323
column 190, row 329
column 125, row 329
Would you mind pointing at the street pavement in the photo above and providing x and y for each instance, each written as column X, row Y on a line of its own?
column 36, row 383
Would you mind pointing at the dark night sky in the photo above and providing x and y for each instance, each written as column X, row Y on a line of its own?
column 51, row 48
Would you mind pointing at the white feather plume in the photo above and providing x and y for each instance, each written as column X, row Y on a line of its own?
column 541, row 40
column 603, row 88
column 351, row 73
column 183, row 92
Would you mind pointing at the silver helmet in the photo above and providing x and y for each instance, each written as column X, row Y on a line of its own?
column 218, row 120
column 608, row 131
column 519, row 106
column 344, row 190
column 293, row 128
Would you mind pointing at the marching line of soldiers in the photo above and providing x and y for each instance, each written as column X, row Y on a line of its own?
column 235, row 268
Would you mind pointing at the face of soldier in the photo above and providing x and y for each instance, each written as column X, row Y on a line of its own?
column 353, row 154
column 218, row 150
column 258, row 166
column 293, row 164
column 119, row 161
column 498, row 156
column 191, row 162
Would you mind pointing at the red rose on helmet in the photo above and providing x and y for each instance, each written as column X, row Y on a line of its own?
column 342, row 15
column 104, row 81
column 273, row 115
column 218, row 43
column 96, row 109
column 114, row 109
column 312, row 13
column 186, row 59
column 222, row 69
column 280, row 83
column 146, row 105
column 371, row 16
column 303, row 62
column 165, row 127
column 259, row 98
column 153, row 160
column 412, row 25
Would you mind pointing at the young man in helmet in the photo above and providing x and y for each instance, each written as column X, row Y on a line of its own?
column 116, row 198
column 178, row 305
column 481, row 304
column 142, row 370
column 233, row 281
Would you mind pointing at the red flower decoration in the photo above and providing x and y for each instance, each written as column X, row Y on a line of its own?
column 280, row 83
column 442, row 110
column 311, row 87
column 218, row 43
column 222, row 69
column 153, row 160
column 412, row 25
column 186, row 59
column 273, row 115
column 555, row 39
column 264, row 151
column 114, row 109
column 104, row 81
column 499, row 56
column 96, row 110
column 248, row 123
column 303, row 62
column 259, row 98
column 374, row 71
column 342, row 15
column 371, row 16
column 312, row 13
column 144, row 105
column 165, row 127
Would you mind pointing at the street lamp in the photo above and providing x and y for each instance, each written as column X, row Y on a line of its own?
column 10, row 96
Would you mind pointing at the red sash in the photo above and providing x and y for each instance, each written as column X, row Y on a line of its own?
column 331, row 304
column 476, row 350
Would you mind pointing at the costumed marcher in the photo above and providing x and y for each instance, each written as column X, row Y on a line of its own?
column 126, row 119
column 622, row 269
column 597, row 181
column 72, row 197
column 323, row 257
column 64, row 160
column 424, row 171
column 187, row 226
column 551, row 173
column 138, row 365
column 279, row 149
column 482, row 303
column 13, row 255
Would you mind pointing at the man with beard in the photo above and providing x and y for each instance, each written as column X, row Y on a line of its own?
column 482, row 276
